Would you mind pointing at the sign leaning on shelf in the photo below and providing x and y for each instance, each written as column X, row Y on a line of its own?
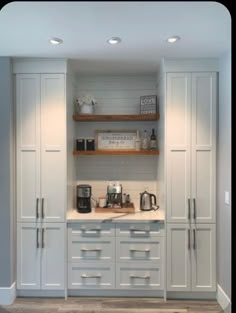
column 115, row 139
column 148, row 104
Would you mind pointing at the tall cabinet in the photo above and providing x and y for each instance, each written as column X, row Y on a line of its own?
column 190, row 180
column 41, row 180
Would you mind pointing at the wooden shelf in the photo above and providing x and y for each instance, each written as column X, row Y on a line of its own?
column 117, row 152
column 120, row 117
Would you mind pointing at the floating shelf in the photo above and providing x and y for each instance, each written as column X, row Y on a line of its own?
column 117, row 152
column 120, row 117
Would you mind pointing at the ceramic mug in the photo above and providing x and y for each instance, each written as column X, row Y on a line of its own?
column 102, row 201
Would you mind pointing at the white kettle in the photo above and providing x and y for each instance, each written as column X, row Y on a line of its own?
column 147, row 201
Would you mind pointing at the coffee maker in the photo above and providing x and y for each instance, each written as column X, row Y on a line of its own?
column 84, row 198
column 114, row 195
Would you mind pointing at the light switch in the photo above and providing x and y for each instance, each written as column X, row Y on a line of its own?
column 227, row 200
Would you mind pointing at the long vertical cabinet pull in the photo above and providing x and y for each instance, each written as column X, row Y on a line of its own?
column 194, row 208
column 37, row 237
column 42, row 209
column 43, row 244
column 37, row 208
column 194, row 239
column 189, row 239
column 189, row 214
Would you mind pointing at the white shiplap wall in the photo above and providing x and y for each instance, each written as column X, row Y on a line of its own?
column 117, row 94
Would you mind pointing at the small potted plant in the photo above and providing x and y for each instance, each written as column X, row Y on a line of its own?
column 85, row 104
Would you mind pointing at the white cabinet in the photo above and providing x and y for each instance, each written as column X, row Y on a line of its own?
column 91, row 255
column 190, row 180
column 191, row 257
column 41, row 180
column 139, row 256
column 178, row 257
column 41, row 147
column 117, row 256
column 40, row 251
column 190, row 147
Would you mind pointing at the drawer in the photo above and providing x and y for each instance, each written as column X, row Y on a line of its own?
column 91, row 276
column 137, row 276
column 91, row 250
column 139, row 230
column 139, row 249
column 91, row 230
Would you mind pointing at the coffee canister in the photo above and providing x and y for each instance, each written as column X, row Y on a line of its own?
column 90, row 144
column 80, row 144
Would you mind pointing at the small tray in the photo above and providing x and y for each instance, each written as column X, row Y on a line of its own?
column 125, row 209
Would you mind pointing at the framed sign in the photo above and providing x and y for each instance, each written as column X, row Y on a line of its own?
column 148, row 104
column 115, row 139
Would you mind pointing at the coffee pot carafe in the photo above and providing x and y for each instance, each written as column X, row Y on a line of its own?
column 147, row 201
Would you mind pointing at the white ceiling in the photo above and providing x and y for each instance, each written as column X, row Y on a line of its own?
column 204, row 28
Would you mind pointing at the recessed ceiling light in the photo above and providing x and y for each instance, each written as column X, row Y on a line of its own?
column 173, row 39
column 55, row 41
column 114, row 40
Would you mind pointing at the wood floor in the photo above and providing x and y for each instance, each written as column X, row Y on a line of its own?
column 110, row 305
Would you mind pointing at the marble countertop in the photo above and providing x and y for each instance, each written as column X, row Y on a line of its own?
column 137, row 216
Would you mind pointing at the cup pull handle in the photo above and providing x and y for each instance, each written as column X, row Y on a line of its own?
column 91, row 276
column 137, row 276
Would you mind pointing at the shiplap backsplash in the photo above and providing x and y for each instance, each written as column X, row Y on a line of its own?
column 117, row 94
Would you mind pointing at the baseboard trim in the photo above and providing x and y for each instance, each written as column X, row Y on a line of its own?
column 8, row 294
column 41, row 293
column 114, row 293
column 223, row 300
column 199, row 295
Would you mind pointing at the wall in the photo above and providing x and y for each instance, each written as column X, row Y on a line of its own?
column 224, row 176
column 6, row 175
column 117, row 94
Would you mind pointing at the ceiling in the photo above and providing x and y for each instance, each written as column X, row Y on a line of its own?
column 84, row 26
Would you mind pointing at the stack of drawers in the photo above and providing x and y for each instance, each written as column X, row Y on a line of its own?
column 115, row 255
column 139, row 256
column 91, row 256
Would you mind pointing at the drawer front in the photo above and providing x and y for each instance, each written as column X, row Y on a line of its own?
column 92, row 230
column 139, row 230
column 91, row 276
column 80, row 250
column 139, row 250
column 136, row 276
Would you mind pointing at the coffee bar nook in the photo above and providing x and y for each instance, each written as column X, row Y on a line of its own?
column 116, row 180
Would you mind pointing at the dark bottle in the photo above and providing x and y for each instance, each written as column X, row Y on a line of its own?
column 153, row 140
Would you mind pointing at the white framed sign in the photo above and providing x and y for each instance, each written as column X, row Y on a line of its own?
column 148, row 104
column 115, row 139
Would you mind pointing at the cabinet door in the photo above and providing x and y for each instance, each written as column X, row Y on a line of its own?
column 53, row 147
column 203, row 146
column 53, row 256
column 28, row 256
column 178, row 128
column 178, row 257
column 28, row 146
column 203, row 257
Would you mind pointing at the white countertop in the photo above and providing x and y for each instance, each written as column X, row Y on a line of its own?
column 138, row 216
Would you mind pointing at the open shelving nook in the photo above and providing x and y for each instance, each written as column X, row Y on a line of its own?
column 115, row 117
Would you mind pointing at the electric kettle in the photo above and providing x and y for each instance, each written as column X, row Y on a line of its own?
column 146, row 203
